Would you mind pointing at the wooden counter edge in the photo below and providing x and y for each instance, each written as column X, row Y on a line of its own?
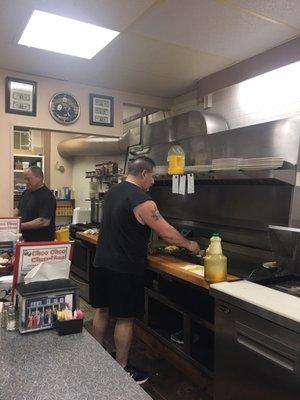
column 164, row 263
column 88, row 238
column 173, row 266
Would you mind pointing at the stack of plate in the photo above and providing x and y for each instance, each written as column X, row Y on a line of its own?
column 261, row 163
column 198, row 168
column 225, row 164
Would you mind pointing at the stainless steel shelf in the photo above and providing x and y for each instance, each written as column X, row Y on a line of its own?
column 287, row 176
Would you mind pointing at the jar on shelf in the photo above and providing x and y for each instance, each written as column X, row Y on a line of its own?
column 18, row 165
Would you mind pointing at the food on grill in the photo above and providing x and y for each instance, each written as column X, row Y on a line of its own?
column 171, row 248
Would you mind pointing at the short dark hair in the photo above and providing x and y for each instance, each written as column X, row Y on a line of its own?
column 36, row 171
column 140, row 164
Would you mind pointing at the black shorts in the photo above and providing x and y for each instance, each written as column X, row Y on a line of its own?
column 122, row 293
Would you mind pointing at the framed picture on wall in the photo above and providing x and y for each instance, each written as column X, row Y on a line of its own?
column 101, row 110
column 20, row 96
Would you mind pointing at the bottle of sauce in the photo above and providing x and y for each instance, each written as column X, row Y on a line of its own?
column 176, row 160
column 215, row 263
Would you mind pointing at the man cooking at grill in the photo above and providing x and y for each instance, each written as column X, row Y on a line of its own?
column 36, row 208
column 117, row 287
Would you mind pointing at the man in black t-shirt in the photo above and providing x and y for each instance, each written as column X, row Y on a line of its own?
column 117, row 287
column 36, row 208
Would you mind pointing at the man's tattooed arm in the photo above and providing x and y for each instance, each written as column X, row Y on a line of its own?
column 155, row 214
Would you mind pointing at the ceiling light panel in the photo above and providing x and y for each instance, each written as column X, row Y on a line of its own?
column 65, row 35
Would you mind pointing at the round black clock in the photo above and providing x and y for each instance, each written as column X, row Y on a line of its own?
column 64, row 108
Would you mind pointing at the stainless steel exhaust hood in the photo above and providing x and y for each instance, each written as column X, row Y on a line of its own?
column 98, row 145
column 183, row 126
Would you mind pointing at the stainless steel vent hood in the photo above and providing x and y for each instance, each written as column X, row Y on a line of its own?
column 97, row 145
column 183, row 126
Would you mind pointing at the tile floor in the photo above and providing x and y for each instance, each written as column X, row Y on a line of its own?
column 166, row 382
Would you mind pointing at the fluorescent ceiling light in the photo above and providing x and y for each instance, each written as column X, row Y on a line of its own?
column 65, row 35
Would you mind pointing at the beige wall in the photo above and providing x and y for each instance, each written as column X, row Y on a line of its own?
column 60, row 179
column 46, row 88
column 79, row 183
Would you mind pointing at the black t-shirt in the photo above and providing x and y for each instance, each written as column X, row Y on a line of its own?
column 40, row 203
column 123, row 241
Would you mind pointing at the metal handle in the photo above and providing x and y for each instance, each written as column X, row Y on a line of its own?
column 266, row 346
column 224, row 309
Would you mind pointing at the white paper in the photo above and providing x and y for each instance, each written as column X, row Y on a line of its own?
column 7, row 236
column 175, row 184
column 190, row 184
column 194, row 269
column 49, row 270
column 182, row 184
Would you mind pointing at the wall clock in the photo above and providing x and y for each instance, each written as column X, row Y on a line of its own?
column 64, row 108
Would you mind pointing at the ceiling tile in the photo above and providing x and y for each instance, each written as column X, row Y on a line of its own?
column 284, row 11
column 160, row 58
column 213, row 27
column 164, row 46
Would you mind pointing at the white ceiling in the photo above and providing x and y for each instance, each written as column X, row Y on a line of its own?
column 164, row 47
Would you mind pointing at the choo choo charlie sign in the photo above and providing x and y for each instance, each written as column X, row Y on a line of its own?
column 29, row 255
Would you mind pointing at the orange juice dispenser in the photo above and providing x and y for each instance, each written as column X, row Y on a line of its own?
column 176, row 160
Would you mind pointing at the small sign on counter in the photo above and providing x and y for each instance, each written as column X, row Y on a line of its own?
column 29, row 255
column 10, row 225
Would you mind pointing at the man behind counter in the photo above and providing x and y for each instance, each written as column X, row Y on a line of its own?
column 117, row 288
column 36, row 208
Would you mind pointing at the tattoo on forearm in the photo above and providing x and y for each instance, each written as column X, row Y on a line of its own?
column 156, row 214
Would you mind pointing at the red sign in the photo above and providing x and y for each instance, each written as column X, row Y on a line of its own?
column 30, row 254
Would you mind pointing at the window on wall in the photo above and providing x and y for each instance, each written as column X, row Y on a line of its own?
column 22, row 139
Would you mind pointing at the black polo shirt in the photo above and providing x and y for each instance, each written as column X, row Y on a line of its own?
column 40, row 203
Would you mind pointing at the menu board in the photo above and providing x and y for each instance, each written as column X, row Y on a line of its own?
column 29, row 255
column 10, row 225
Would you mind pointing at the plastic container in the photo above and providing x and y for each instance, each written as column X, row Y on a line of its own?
column 11, row 318
column 69, row 327
column 176, row 160
column 62, row 235
column 215, row 263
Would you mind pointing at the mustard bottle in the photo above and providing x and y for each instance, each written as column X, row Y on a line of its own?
column 215, row 263
column 176, row 160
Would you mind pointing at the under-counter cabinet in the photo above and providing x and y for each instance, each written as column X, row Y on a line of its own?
column 172, row 305
column 255, row 358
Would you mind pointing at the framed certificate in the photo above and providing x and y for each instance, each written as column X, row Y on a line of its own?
column 101, row 110
column 20, row 96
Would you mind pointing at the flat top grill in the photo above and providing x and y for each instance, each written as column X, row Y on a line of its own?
column 289, row 284
column 291, row 287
